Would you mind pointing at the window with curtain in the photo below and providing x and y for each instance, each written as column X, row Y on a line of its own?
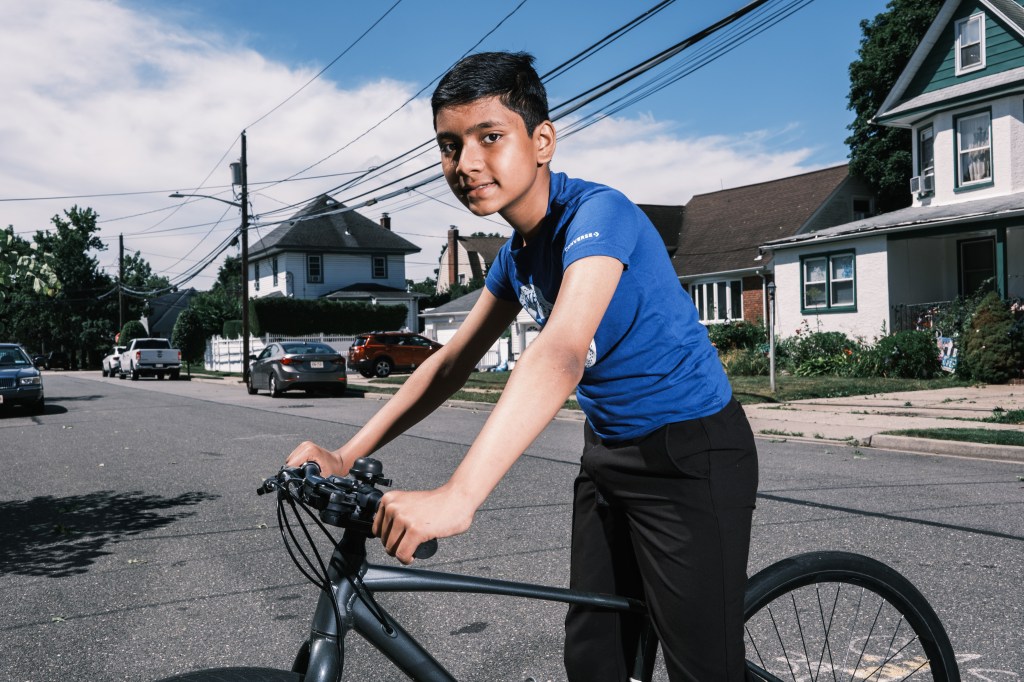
column 974, row 148
column 829, row 281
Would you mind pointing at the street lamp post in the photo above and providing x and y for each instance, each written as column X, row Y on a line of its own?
column 239, row 177
column 771, row 335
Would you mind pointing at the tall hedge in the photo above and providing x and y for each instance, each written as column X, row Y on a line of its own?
column 295, row 317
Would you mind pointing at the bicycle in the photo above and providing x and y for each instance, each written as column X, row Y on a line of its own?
column 814, row 616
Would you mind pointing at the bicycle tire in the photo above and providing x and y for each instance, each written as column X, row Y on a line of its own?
column 236, row 675
column 842, row 616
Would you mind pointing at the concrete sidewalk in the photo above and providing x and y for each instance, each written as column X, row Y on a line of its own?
column 860, row 420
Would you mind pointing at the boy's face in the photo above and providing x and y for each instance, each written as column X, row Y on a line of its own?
column 492, row 164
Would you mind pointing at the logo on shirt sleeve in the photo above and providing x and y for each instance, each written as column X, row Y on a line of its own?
column 574, row 242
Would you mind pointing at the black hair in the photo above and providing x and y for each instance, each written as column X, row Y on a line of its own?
column 510, row 76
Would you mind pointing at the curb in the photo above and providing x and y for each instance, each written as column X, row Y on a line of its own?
column 1006, row 453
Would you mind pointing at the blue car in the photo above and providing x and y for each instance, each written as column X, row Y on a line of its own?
column 20, row 381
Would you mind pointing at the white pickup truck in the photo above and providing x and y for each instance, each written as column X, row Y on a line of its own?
column 149, row 358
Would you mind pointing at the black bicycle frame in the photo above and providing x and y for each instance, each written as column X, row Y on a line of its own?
column 353, row 582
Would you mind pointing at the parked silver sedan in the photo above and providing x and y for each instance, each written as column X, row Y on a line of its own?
column 296, row 365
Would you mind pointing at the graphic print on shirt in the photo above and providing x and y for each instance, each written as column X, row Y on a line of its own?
column 533, row 301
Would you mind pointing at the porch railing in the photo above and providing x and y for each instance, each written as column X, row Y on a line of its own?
column 916, row 315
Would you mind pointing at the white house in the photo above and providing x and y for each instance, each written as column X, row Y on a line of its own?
column 466, row 258
column 962, row 95
column 329, row 251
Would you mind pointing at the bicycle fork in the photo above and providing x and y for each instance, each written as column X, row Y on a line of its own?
column 322, row 657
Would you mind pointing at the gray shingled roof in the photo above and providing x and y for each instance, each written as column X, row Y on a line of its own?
column 463, row 304
column 723, row 230
column 322, row 227
column 668, row 220
column 913, row 218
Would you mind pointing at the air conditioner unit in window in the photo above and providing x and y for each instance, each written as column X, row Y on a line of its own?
column 927, row 183
column 915, row 184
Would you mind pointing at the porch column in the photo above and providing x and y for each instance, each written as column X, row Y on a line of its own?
column 1002, row 283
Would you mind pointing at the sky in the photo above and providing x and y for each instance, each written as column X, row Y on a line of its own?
column 113, row 105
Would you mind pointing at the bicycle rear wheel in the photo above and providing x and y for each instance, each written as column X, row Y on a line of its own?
column 237, row 675
column 841, row 616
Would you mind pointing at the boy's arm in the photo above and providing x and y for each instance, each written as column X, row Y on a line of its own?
column 544, row 376
column 431, row 384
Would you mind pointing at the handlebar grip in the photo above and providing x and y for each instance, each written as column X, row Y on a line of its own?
column 426, row 550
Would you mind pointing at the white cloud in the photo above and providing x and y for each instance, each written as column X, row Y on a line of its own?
column 101, row 99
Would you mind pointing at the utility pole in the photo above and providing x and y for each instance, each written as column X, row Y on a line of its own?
column 244, row 181
column 120, row 283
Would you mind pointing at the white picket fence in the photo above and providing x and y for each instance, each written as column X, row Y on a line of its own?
column 225, row 355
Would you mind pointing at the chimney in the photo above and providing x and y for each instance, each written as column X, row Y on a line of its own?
column 453, row 255
column 385, row 221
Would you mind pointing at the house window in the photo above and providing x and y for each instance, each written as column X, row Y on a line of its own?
column 273, row 263
column 257, row 278
column 970, row 44
column 861, row 208
column 314, row 268
column 926, row 155
column 974, row 148
column 977, row 261
column 829, row 281
column 380, row 267
column 718, row 301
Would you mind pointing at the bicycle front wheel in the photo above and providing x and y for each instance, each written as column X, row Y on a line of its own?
column 841, row 616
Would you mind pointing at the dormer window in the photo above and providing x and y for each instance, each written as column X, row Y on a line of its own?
column 970, row 44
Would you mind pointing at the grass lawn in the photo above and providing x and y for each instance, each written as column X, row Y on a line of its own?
column 969, row 435
column 487, row 386
column 756, row 389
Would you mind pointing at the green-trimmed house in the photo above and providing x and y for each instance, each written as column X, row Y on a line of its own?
column 962, row 95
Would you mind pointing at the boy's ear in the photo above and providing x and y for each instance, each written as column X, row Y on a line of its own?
column 545, row 139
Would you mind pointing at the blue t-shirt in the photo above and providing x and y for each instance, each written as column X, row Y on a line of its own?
column 651, row 362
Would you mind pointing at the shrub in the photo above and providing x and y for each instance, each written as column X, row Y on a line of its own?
column 988, row 351
column 744, row 362
column 232, row 329
column 296, row 317
column 908, row 354
column 818, row 353
column 739, row 334
column 188, row 336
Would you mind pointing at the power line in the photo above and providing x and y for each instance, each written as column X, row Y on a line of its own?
column 332, row 63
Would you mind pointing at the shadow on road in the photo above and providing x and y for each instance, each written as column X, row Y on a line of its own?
column 61, row 536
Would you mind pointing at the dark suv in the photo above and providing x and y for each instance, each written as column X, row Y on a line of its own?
column 58, row 360
column 381, row 353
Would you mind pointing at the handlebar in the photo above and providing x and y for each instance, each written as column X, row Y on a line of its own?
column 348, row 502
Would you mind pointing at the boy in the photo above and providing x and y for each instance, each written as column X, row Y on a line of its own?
column 665, row 493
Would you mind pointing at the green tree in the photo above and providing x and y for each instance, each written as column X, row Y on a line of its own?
column 133, row 329
column 880, row 154
column 26, row 276
column 189, row 337
column 223, row 301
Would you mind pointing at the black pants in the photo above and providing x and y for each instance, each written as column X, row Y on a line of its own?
column 667, row 519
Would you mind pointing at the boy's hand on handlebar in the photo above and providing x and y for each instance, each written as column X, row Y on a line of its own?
column 331, row 463
column 405, row 519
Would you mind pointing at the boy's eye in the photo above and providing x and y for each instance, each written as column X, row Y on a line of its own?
column 492, row 137
column 446, row 147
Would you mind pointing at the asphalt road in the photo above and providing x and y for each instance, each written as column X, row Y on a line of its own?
column 134, row 546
